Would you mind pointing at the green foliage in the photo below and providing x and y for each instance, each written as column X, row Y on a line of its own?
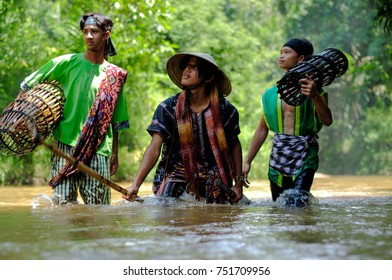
column 384, row 14
column 375, row 143
column 244, row 37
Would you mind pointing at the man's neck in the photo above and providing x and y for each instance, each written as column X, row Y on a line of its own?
column 198, row 99
column 94, row 57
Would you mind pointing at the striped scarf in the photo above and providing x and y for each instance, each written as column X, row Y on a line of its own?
column 216, row 135
column 97, row 124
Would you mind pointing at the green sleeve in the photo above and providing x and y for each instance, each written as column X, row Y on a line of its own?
column 54, row 69
column 120, row 114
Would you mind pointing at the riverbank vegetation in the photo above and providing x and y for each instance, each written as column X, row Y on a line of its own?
column 245, row 38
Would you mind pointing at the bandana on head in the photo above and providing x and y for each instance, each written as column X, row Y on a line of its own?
column 90, row 21
column 300, row 46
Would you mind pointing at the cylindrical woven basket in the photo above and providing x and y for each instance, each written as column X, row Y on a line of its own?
column 323, row 68
column 31, row 118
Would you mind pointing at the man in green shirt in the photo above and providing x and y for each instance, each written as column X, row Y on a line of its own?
column 294, row 155
column 93, row 114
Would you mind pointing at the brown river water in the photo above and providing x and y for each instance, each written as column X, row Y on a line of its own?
column 352, row 220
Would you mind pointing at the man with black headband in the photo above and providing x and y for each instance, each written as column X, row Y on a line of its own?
column 294, row 155
column 93, row 114
column 198, row 130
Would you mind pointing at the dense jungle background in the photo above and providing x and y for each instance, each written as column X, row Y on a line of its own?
column 245, row 37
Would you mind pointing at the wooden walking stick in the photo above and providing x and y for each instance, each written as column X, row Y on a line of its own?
column 87, row 170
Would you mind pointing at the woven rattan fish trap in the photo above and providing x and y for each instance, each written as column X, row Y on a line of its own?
column 31, row 118
column 323, row 68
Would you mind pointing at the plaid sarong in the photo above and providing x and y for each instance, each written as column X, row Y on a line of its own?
column 289, row 152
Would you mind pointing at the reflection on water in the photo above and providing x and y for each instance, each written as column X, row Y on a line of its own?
column 352, row 220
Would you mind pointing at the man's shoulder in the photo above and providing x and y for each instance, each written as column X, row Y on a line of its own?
column 69, row 57
column 273, row 89
column 109, row 64
column 172, row 100
column 227, row 104
column 270, row 93
column 119, row 70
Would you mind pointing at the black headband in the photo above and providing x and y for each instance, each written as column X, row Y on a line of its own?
column 300, row 46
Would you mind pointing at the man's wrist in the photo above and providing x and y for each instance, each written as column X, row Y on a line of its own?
column 241, row 179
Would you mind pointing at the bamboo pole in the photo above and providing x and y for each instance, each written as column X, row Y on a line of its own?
column 84, row 168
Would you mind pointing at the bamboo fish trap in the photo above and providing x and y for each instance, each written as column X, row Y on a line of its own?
column 323, row 68
column 31, row 118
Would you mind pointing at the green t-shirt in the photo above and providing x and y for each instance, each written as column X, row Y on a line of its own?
column 80, row 80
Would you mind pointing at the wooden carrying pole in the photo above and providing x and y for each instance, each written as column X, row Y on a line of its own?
column 84, row 168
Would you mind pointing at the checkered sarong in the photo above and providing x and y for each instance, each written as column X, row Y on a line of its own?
column 289, row 152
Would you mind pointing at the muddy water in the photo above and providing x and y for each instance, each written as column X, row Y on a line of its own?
column 352, row 220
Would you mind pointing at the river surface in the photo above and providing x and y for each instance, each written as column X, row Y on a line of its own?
column 352, row 220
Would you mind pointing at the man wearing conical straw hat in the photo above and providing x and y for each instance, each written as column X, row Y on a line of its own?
column 94, row 112
column 198, row 129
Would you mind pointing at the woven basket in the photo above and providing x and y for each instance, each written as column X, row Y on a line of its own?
column 323, row 68
column 31, row 118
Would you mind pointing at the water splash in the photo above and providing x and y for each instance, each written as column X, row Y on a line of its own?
column 184, row 200
column 296, row 198
column 42, row 200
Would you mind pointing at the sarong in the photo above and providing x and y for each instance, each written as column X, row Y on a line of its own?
column 289, row 152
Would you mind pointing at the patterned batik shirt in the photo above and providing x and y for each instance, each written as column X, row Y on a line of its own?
column 164, row 122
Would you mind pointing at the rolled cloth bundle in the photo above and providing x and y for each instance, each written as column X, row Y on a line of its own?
column 323, row 68
column 31, row 118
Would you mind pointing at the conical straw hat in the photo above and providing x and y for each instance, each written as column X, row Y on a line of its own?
column 175, row 73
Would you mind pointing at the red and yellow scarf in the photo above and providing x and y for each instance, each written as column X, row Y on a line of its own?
column 216, row 135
